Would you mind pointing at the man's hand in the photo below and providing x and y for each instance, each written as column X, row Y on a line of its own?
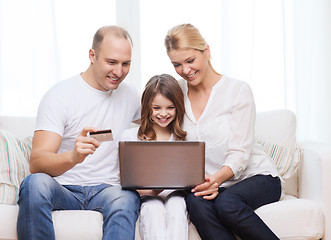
column 84, row 145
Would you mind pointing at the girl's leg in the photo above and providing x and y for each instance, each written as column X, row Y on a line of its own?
column 152, row 219
column 177, row 225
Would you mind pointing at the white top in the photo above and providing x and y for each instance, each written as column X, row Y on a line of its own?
column 227, row 127
column 131, row 134
column 70, row 106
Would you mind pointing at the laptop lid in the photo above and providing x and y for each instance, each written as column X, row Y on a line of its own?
column 161, row 164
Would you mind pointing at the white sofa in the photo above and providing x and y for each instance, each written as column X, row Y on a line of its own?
column 303, row 213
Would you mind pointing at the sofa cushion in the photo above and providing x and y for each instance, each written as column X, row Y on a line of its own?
column 294, row 218
column 77, row 225
column 279, row 127
column 14, row 165
column 70, row 224
column 8, row 220
column 286, row 159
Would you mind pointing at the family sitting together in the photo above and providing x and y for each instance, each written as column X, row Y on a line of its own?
column 73, row 171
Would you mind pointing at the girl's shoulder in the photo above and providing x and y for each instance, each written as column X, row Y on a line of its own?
column 130, row 134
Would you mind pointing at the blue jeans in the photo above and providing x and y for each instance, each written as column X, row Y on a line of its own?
column 232, row 211
column 40, row 194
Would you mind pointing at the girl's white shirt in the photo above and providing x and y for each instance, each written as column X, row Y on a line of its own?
column 131, row 134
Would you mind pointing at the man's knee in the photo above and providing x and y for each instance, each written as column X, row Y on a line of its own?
column 37, row 182
column 118, row 198
column 36, row 185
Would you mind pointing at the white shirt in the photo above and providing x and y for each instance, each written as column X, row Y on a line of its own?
column 131, row 134
column 70, row 106
column 227, row 127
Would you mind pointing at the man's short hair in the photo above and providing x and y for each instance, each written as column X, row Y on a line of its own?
column 107, row 30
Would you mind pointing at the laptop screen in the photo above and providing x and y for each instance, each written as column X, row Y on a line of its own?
column 161, row 164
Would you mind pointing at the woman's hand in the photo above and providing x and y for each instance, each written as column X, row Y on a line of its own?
column 208, row 189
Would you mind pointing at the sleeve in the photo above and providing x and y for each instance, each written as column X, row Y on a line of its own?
column 136, row 104
column 51, row 112
column 241, row 135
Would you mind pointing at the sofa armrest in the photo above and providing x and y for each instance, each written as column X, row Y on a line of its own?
column 315, row 178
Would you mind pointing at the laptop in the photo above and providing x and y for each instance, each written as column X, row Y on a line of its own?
column 161, row 164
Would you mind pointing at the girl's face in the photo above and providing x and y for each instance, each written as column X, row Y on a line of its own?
column 190, row 64
column 163, row 111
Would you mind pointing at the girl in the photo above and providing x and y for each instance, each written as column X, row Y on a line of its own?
column 162, row 214
column 221, row 111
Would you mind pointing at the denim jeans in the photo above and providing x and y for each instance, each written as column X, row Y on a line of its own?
column 232, row 211
column 40, row 194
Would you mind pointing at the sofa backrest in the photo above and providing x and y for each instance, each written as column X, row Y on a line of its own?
column 277, row 127
column 20, row 127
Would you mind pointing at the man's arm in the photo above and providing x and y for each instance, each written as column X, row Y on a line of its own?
column 45, row 145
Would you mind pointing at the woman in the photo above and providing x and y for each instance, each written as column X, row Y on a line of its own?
column 221, row 111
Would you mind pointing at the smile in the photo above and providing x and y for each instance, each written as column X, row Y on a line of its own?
column 163, row 120
column 192, row 75
column 112, row 78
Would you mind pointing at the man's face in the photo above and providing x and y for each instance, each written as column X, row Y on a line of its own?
column 112, row 64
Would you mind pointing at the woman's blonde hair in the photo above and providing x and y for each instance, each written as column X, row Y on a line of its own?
column 186, row 36
column 167, row 86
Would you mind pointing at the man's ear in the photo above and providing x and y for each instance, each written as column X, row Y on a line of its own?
column 92, row 55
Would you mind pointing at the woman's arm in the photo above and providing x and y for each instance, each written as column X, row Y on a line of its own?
column 239, row 142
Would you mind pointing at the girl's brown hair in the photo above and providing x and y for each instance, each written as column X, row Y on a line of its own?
column 167, row 86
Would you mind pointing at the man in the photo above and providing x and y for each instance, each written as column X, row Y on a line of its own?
column 71, row 170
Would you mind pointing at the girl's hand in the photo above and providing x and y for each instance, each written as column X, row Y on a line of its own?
column 149, row 192
column 208, row 189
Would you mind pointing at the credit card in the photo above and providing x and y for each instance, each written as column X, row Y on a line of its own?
column 102, row 135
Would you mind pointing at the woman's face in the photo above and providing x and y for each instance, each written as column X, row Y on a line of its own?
column 190, row 64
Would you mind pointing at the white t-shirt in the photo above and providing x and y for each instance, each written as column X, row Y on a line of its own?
column 131, row 134
column 70, row 106
column 227, row 127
